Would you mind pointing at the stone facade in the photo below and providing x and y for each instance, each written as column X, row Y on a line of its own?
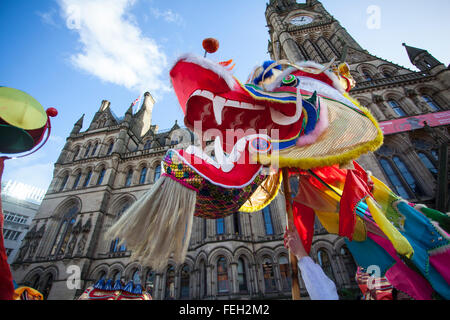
column 104, row 169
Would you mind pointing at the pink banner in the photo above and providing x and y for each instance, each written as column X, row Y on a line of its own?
column 416, row 122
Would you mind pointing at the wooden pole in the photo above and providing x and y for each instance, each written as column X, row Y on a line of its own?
column 290, row 222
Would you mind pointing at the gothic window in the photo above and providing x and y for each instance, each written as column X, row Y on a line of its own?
column 435, row 154
column 222, row 276
column 394, row 178
column 65, row 230
column 396, row 107
column 88, row 148
column 170, row 283
column 268, row 274
column 117, row 276
column 88, row 179
column 95, row 149
column 136, row 277
column 157, row 173
column 64, row 182
column 75, row 154
column 349, row 262
column 387, row 74
column 268, row 221
column 34, row 282
column 101, row 275
column 367, row 75
column 220, row 226
column 143, row 175
column 184, row 283
column 203, row 279
column 129, row 178
column 77, row 181
column 150, row 282
column 101, row 176
column 147, row 145
column 428, row 163
column 242, row 276
column 110, row 148
column 47, row 286
column 237, row 223
column 431, row 103
column 286, row 281
column 115, row 247
column 325, row 263
column 408, row 176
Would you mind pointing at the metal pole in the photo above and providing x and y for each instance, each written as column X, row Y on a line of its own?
column 290, row 222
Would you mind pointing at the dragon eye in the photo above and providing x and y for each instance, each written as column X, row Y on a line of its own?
column 290, row 80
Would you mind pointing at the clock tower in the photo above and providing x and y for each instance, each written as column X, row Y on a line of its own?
column 305, row 31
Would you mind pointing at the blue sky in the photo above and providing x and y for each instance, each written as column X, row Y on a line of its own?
column 72, row 54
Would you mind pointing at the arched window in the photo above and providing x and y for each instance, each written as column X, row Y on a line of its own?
column 428, row 163
column 349, row 262
column 88, row 148
column 117, row 276
column 47, row 286
column 150, row 282
column 110, row 148
column 435, row 154
column 367, row 75
column 325, row 263
column 203, row 280
column 88, row 179
column 222, row 276
column 268, row 221
column 387, row 74
column 242, row 276
column 170, row 283
column 101, row 275
column 65, row 230
column 147, row 145
column 75, row 154
column 237, row 223
column 34, row 282
column 136, row 277
column 268, row 274
column 286, row 281
column 95, row 149
column 408, row 176
column 157, row 173
column 77, row 181
column 115, row 247
column 101, row 176
column 184, row 283
column 220, row 226
column 64, row 182
column 394, row 179
column 143, row 175
column 129, row 178
column 396, row 107
column 431, row 103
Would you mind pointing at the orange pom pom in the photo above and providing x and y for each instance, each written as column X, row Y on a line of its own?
column 210, row 45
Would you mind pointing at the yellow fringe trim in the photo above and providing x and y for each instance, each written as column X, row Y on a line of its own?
column 248, row 209
column 310, row 163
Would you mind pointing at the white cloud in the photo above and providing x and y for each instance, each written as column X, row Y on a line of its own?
column 37, row 175
column 168, row 15
column 113, row 47
column 48, row 17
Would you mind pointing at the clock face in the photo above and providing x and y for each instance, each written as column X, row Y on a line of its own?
column 301, row 20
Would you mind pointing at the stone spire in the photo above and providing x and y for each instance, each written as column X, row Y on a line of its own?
column 78, row 125
column 421, row 58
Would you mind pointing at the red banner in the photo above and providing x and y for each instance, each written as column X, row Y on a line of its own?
column 416, row 122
